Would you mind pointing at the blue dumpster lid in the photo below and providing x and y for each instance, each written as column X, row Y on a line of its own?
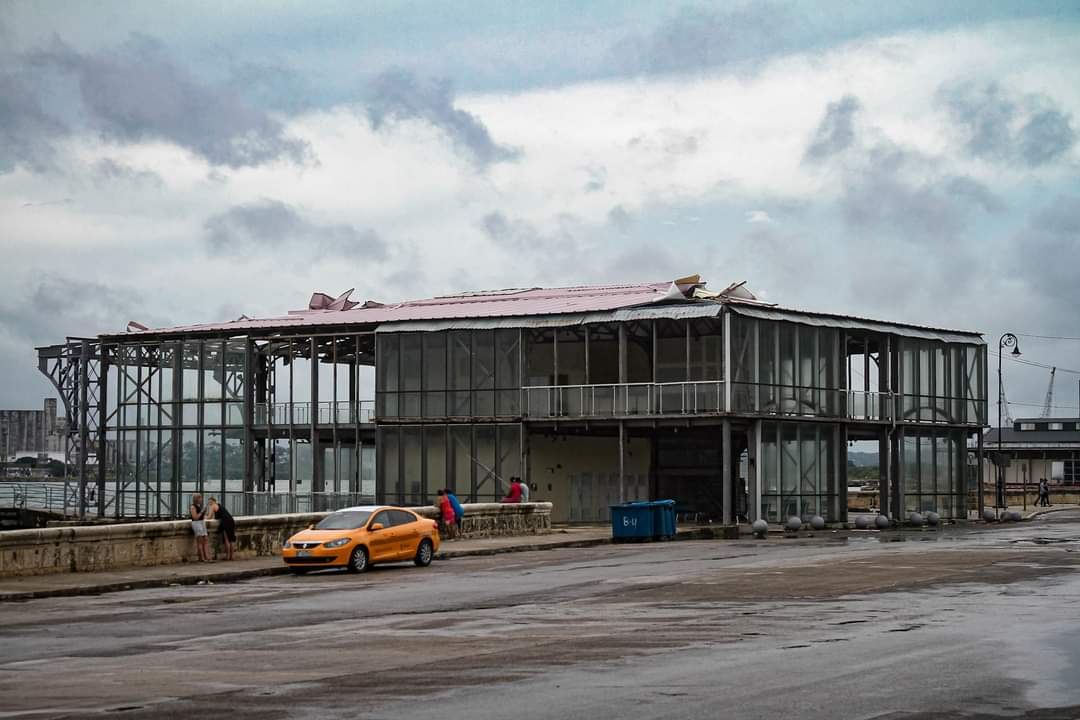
column 648, row 503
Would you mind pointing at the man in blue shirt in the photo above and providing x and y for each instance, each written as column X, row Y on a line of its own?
column 459, row 511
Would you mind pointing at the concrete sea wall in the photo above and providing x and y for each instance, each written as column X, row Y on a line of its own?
column 92, row 548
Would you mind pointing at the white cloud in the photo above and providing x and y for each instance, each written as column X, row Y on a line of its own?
column 759, row 216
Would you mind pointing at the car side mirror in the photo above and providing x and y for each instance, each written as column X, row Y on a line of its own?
column 375, row 526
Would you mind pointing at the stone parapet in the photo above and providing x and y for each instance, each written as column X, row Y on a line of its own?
column 90, row 548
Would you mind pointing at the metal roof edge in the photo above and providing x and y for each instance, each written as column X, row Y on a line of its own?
column 850, row 321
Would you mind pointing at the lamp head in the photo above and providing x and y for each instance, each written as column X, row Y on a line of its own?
column 1016, row 351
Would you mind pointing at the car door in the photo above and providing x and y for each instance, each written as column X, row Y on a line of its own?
column 381, row 544
column 406, row 533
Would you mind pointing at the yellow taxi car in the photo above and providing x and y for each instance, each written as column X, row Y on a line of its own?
column 358, row 537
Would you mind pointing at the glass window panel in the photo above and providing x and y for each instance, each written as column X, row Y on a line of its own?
column 488, row 487
column 911, row 465
column 212, row 413
column 770, row 469
column 213, row 369
column 234, row 460
column 483, row 403
column 211, row 451
column 507, row 359
column 435, row 361
column 435, row 454
column 234, row 413
column 508, row 403
column 189, row 363
column 389, row 438
column 570, row 357
column 409, row 404
column 190, row 413
column 639, row 352
column 189, row 460
column 461, row 463
column 789, row 459
column 460, row 342
column 509, row 438
column 413, row 470
column 483, row 359
column 388, row 347
column 808, row 461
column 410, row 361
column 434, row 404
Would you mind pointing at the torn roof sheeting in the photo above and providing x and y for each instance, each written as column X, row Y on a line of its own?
column 323, row 310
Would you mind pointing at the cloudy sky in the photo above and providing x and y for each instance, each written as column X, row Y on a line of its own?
column 176, row 162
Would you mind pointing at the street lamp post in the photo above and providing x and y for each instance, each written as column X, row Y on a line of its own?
column 1008, row 340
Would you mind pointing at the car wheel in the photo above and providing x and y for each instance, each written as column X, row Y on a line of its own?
column 424, row 553
column 298, row 570
column 358, row 561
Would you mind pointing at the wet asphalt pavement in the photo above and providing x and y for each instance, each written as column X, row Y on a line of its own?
column 972, row 623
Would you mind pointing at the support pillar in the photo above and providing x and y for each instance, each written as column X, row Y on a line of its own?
column 980, row 482
column 885, row 471
column 84, row 434
column 317, row 480
column 753, row 473
column 622, row 462
column 727, row 488
column 102, row 411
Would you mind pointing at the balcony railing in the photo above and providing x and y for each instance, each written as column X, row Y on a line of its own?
column 341, row 412
column 709, row 397
column 624, row 399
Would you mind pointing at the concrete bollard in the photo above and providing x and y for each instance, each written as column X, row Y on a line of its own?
column 933, row 519
column 760, row 529
column 817, row 522
column 988, row 515
column 1005, row 516
column 1016, row 515
column 881, row 522
column 862, row 522
column 915, row 518
column 793, row 524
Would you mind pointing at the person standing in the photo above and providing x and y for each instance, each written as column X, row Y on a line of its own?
column 459, row 511
column 226, row 525
column 198, row 513
column 524, row 491
column 447, row 515
column 1044, row 493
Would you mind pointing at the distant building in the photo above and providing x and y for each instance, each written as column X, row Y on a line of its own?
column 31, row 432
column 1036, row 448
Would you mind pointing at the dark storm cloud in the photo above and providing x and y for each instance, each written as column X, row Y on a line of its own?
column 245, row 230
column 26, row 130
column 1008, row 127
column 400, row 95
column 109, row 169
column 136, row 92
column 882, row 196
column 700, row 38
column 836, row 132
column 51, row 307
column 620, row 219
column 1047, row 250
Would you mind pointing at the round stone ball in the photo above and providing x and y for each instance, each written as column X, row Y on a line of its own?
column 793, row 523
column 881, row 522
column 915, row 518
column 933, row 519
column 817, row 522
column 760, row 528
column 1005, row 516
column 988, row 515
column 862, row 522
column 1015, row 515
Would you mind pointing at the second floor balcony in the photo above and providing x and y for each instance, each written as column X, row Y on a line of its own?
column 713, row 397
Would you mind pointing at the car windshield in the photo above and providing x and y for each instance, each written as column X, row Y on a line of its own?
column 349, row 520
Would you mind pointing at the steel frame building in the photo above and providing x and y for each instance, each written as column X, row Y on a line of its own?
column 594, row 395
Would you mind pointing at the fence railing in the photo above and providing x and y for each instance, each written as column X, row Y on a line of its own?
column 146, row 503
column 707, row 397
column 342, row 412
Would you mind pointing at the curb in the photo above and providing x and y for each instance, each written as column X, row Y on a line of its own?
column 77, row 590
column 1048, row 511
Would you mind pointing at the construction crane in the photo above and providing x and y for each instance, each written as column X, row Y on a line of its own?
column 1004, row 402
column 1049, row 395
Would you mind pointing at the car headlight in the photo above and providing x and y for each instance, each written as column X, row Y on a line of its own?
column 286, row 545
column 337, row 543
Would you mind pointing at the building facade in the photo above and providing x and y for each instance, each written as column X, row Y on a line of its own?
column 31, row 432
column 594, row 395
column 1035, row 449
